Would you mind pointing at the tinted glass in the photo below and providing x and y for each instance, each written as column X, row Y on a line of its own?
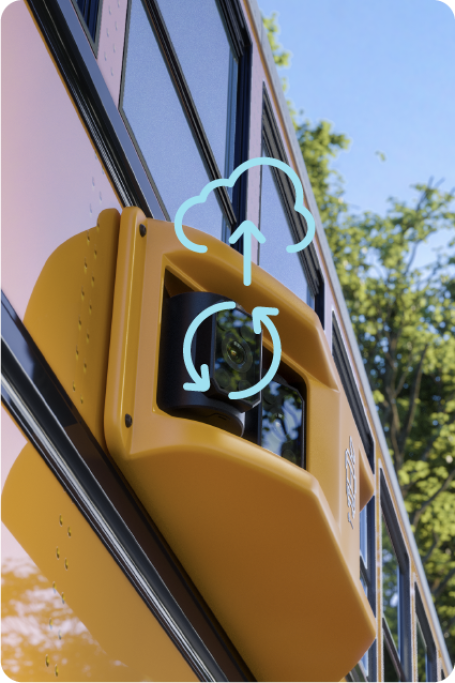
column 282, row 422
column 390, row 584
column 421, row 654
column 390, row 673
column 237, row 352
column 158, row 123
column 203, row 50
column 273, row 256
column 363, row 535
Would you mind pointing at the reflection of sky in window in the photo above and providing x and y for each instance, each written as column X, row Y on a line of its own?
column 156, row 117
column 273, row 256
column 390, row 585
column 203, row 50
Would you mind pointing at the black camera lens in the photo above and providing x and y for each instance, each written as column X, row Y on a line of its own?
column 235, row 352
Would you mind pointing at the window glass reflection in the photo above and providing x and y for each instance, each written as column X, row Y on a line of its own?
column 203, row 50
column 363, row 535
column 282, row 421
column 390, row 673
column 273, row 256
column 390, row 584
column 421, row 654
column 158, row 123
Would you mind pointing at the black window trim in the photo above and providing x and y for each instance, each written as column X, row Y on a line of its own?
column 34, row 397
column 238, row 35
column 404, row 620
column 432, row 655
column 343, row 365
column 368, row 574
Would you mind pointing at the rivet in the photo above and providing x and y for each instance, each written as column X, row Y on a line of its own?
column 112, row 71
column 63, row 597
column 100, row 195
column 88, row 238
column 90, row 309
column 54, row 586
column 116, row 27
column 95, row 254
column 128, row 421
column 60, row 520
column 56, row 670
column 57, row 552
column 93, row 281
column 82, row 294
column 59, row 635
column 85, row 367
column 107, row 32
column 82, row 399
column 105, row 57
column 77, row 355
column 66, row 564
column 69, row 531
column 88, row 338
column 93, row 182
column 50, row 623
column 47, row 660
column 142, row 230
column 85, row 265
column 113, row 47
column 79, row 322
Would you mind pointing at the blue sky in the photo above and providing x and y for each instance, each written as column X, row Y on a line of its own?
column 383, row 72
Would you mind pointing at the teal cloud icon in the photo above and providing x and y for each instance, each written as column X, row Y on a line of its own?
column 229, row 182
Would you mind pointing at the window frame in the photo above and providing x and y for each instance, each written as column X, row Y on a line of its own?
column 343, row 365
column 272, row 143
column 234, row 210
column 402, row 658
column 432, row 655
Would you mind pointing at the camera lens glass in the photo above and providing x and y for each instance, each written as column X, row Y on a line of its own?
column 282, row 421
column 237, row 352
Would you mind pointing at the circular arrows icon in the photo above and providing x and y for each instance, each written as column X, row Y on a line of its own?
column 202, row 382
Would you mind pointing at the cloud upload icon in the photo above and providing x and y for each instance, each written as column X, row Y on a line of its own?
column 299, row 205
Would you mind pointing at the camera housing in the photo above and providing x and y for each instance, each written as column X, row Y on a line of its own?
column 226, row 343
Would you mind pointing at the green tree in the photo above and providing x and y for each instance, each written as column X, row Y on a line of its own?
column 404, row 320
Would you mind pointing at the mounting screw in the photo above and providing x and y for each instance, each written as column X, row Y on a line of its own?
column 142, row 230
column 128, row 420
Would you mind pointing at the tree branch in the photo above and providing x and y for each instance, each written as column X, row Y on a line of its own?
column 432, row 549
column 440, row 588
column 417, row 515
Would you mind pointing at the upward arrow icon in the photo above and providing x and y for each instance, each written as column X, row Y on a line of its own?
column 248, row 230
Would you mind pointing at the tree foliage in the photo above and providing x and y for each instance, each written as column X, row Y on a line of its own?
column 404, row 320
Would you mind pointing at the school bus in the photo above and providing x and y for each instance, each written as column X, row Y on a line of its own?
column 250, row 530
